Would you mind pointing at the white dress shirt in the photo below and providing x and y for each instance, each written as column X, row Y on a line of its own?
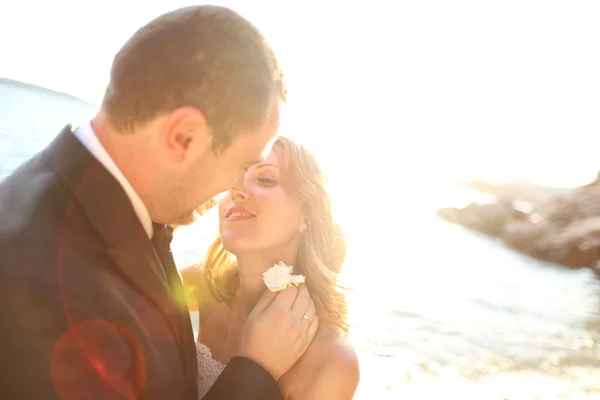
column 86, row 135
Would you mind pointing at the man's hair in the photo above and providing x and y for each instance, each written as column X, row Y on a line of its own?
column 207, row 57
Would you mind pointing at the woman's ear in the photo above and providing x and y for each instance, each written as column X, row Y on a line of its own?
column 303, row 227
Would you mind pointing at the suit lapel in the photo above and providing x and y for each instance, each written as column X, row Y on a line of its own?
column 178, row 295
column 188, row 347
column 110, row 212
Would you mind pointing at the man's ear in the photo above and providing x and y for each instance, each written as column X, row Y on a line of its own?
column 186, row 134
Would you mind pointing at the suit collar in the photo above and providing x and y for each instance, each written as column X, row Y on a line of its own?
column 100, row 195
column 108, row 209
column 86, row 135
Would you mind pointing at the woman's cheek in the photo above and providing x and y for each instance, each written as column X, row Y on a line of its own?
column 223, row 204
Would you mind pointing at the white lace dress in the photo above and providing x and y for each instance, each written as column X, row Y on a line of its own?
column 209, row 369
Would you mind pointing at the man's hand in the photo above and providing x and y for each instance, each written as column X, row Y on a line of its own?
column 276, row 333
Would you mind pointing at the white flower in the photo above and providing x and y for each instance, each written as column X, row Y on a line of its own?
column 279, row 276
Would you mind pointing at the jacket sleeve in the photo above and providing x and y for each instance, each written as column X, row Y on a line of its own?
column 244, row 379
column 45, row 357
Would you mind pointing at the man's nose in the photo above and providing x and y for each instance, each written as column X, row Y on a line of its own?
column 238, row 191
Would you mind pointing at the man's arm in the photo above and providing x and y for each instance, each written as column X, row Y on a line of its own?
column 46, row 357
column 244, row 379
column 87, row 340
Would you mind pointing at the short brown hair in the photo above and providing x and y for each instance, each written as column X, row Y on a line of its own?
column 207, row 57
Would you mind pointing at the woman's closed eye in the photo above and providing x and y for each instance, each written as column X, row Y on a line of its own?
column 266, row 181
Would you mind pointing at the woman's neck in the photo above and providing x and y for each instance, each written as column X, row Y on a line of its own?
column 252, row 286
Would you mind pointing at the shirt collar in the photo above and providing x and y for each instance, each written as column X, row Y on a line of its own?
column 86, row 135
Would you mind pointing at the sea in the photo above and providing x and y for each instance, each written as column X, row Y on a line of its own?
column 436, row 311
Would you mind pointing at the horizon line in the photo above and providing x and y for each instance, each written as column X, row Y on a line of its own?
column 14, row 82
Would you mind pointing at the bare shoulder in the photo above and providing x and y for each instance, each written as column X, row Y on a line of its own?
column 332, row 348
column 196, row 291
column 213, row 315
column 328, row 369
column 192, row 274
column 193, row 282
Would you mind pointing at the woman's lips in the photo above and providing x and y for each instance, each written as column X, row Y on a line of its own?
column 238, row 213
column 239, row 216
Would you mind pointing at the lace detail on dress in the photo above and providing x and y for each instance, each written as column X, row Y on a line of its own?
column 209, row 369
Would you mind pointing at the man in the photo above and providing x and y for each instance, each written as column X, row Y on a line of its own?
column 92, row 305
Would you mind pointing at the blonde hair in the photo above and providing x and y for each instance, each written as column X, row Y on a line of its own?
column 322, row 249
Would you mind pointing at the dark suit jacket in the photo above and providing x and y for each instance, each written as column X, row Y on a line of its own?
column 86, row 311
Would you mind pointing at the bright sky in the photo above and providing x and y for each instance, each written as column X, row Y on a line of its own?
column 385, row 93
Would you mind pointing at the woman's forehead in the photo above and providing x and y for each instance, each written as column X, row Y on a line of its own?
column 270, row 161
column 271, row 158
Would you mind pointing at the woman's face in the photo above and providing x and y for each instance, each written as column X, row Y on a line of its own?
column 258, row 214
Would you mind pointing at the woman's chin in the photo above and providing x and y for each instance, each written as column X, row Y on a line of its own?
column 237, row 245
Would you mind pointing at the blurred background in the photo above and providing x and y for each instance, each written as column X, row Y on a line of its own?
column 460, row 139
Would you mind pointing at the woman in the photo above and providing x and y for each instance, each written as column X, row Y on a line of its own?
column 280, row 212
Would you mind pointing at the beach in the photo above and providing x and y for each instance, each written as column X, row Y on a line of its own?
column 437, row 310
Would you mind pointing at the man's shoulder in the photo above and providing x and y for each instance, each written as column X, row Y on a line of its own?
column 35, row 188
column 27, row 195
column 33, row 210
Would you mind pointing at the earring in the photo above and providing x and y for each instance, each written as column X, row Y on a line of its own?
column 303, row 227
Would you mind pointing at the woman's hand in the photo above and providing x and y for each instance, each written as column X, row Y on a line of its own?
column 276, row 333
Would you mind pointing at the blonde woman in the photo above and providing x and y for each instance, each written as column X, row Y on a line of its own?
column 279, row 211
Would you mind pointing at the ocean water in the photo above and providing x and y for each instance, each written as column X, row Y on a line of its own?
column 437, row 310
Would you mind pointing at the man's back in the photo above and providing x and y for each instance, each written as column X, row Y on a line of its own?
column 73, row 322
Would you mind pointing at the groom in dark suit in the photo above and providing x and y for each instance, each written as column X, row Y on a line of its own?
column 92, row 303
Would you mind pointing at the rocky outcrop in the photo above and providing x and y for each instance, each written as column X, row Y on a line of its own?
column 564, row 230
column 489, row 219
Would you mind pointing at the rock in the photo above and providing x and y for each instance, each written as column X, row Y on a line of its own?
column 596, row 269
column 564, row 230
column 489, row 219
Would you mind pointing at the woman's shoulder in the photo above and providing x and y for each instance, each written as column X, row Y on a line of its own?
column 196, row 291
column 192, row 274
column 192, row 277
column 330, row 365
column 332, row 348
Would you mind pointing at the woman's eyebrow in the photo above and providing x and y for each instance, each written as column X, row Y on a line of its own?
column 265, row 165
